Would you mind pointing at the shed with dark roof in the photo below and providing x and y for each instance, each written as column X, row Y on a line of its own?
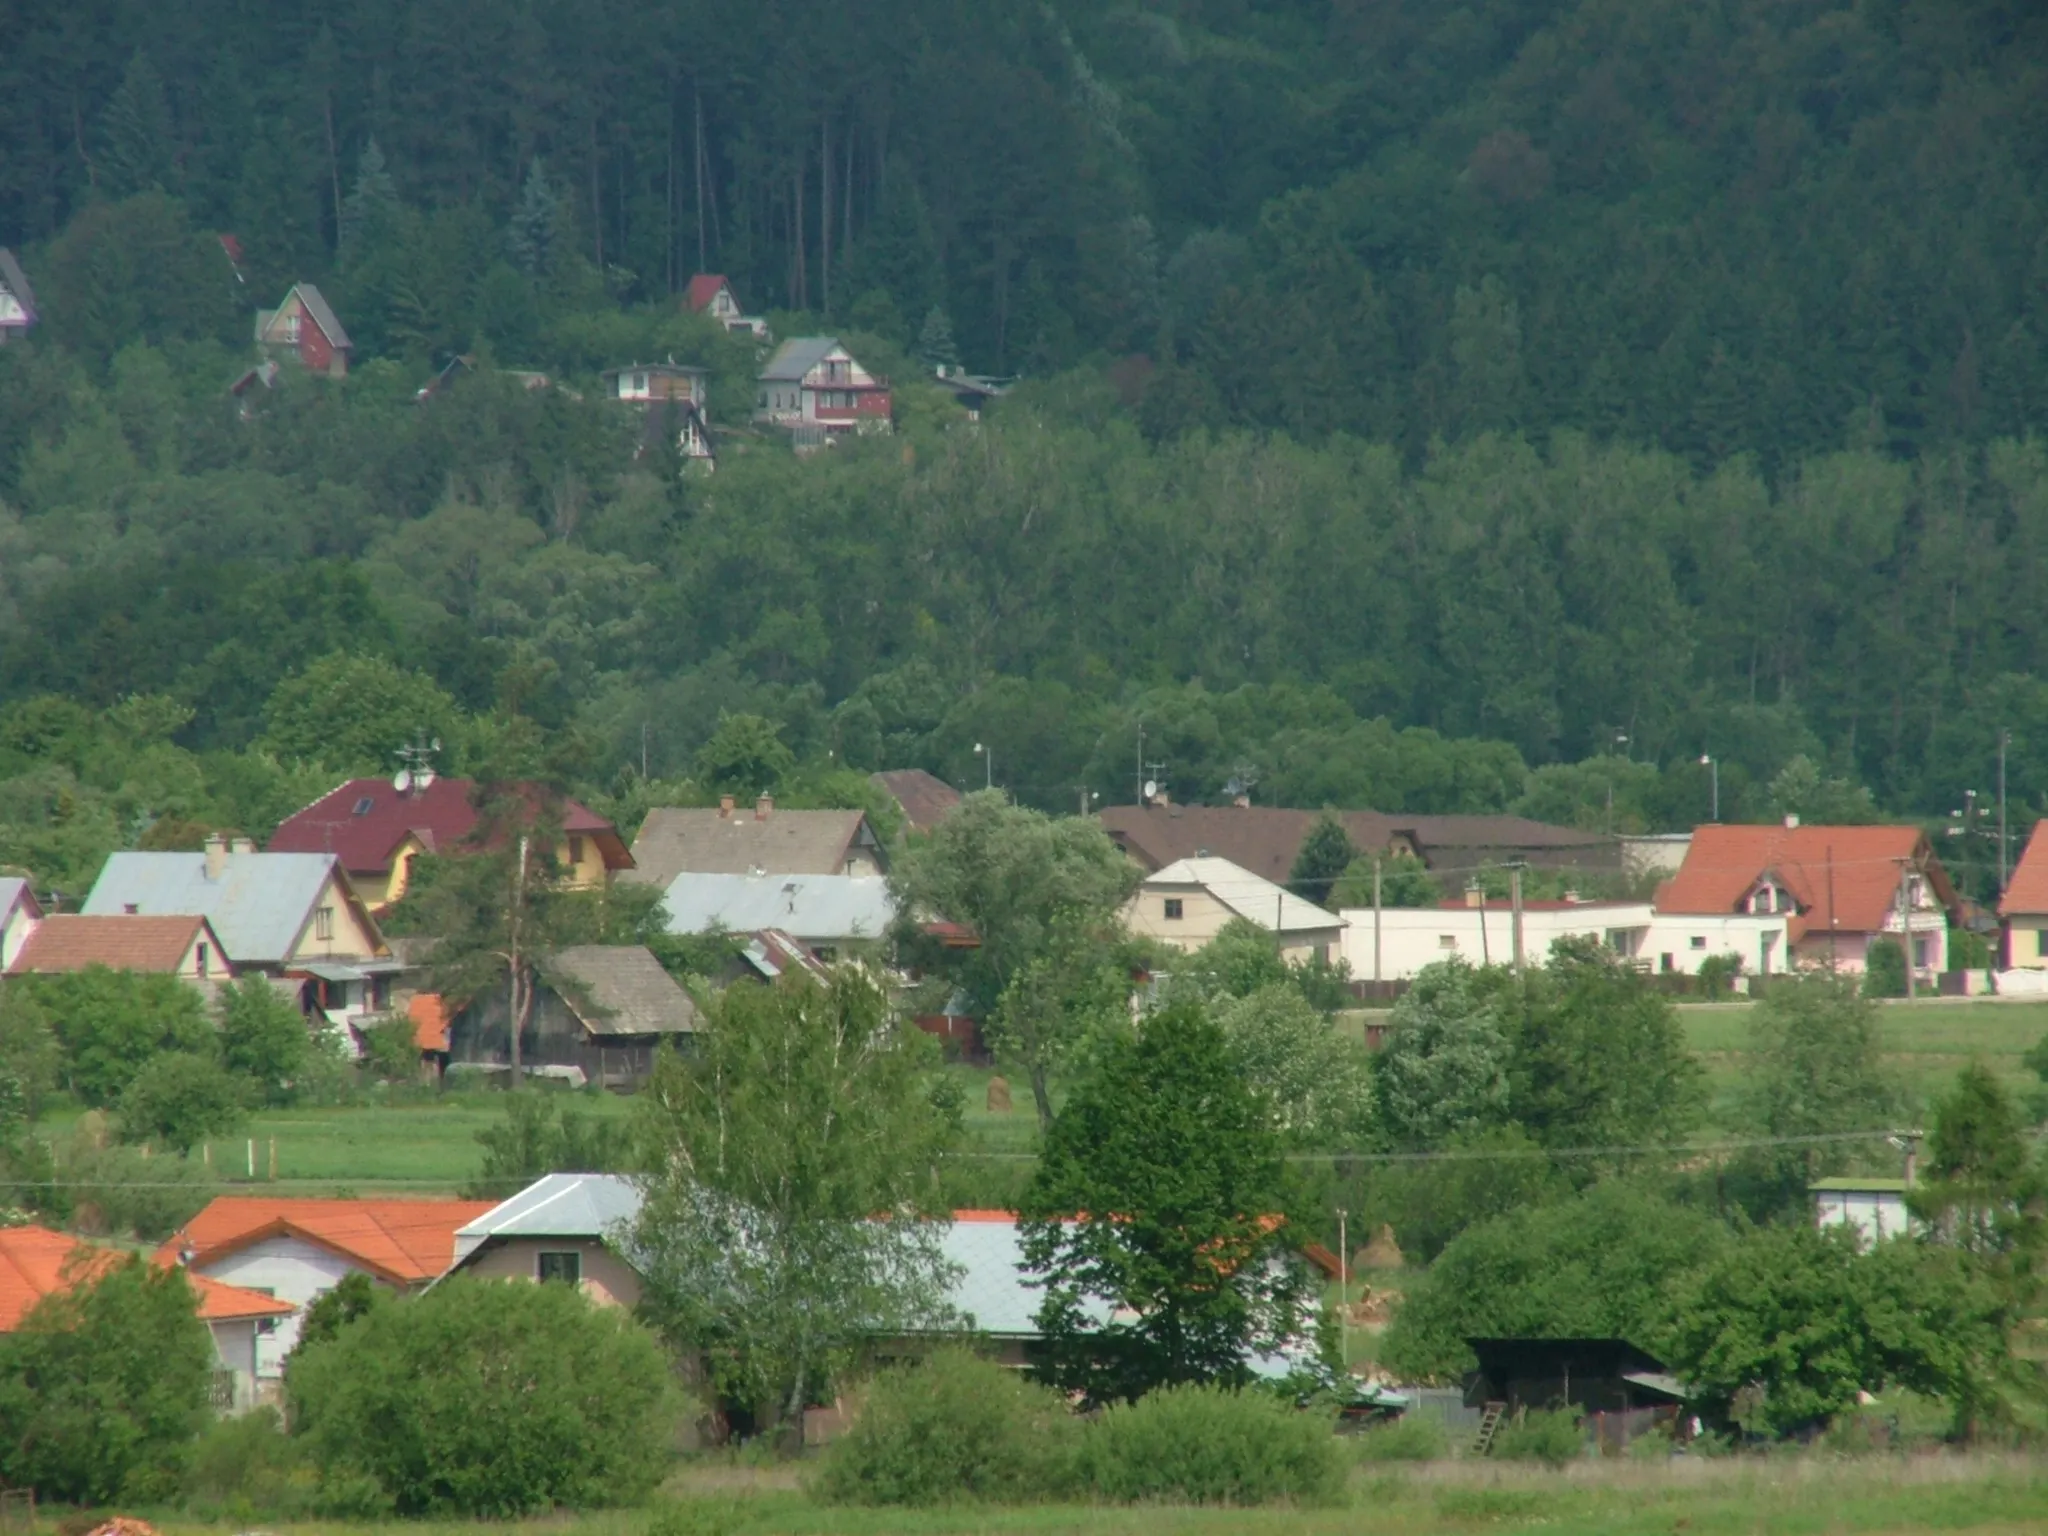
column 924, row 798
column 601, row 1011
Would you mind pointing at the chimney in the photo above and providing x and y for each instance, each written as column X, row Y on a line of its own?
column 1791, row 822
column 1571, row 898
column 1242, row 800
column 764, row 808
column 1475, row 896
column 242, row 845
column 725, row 807
column 216, row 856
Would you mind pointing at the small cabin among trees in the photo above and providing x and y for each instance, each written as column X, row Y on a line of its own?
column 303, row 327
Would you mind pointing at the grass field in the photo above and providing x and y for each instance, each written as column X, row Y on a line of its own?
column 1794, row 1496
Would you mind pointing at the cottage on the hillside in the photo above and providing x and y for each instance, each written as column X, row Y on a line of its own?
column 816, row 390
column 711, row 293
column 304, row 329
column 17, row 299
column 671, row 399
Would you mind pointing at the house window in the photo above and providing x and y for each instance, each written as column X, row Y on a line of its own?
column 566, row 1267
column 2041, row 943
column 639, row 383
column 825, row 954
column 1173, row 909
column 1919, row 954
column 1699, row 941
column 1664, row 964
column 323, row 923
column 291, row 328
column 203, row 959
column 1447, row 941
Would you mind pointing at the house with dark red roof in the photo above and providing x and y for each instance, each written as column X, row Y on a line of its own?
column 711, row 293
column 1840, row 888
column 2024, row 906
column 377, row 829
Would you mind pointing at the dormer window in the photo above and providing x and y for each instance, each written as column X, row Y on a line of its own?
column 1767, row 899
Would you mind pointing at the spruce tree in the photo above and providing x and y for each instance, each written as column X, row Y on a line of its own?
column 370, row 213
column 137, row 137
column 935, row 345
column 532, row 235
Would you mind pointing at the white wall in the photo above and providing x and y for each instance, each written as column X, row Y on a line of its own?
column 1875, row 1214
column 290, row 1269
column 1414, row 937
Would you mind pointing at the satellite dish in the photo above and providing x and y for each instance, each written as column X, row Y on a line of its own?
column 403, row 780
column 1151, row 788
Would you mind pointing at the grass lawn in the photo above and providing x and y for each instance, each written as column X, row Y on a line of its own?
column 1793, row 1496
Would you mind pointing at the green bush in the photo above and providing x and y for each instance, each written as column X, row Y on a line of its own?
column 180, row 1099
column 488, row 1398
column 247, row 1467
column 1412, row 1437
column 953, row 1427
column 1549, row 1435
column 1209, row 1445
column 1884, row 969
column 118, row 1190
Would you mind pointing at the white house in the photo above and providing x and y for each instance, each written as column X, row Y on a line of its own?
column 814, row 385
column 298, row 1250
column 17, row 299
column 1876, row 1208
column 1187, row 904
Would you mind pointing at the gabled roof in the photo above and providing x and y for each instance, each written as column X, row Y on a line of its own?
column 926, row 799
column 772, row 954
column 674, row 841
column 365, row 822
column 797, row 357
column 316, row 306
column 15, row 281
column 401, row 1241
column 36, row 1262
column 703, row 289
column 815, row 907
column 71, row 941
column 1860, row 866
column 1244, row 893
column 259, row 906
column 15, row 892
column 593, row 1206
column 2026, row 893
column 621, row 989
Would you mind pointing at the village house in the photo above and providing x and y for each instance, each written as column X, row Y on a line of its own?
column 567, row 1227
column 377, row 827
column 1187, row 904
column 671, row 399
column 297, row 1250
column 826, row 914
column 711, row 293
column 17, row 299
column 1838, row 889
column 36, row 1262
column 291, row 916
column 2023, row 908
column 305, row 330
column 19, row 914
column 972, row 391
column 924, row 798
column 815, row 389
column 729, row 840
column 600, row 1012
column 1874, row 1208
column 182, row 946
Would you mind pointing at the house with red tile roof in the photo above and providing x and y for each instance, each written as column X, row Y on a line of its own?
column 377, row 829
column 36, row 1263
column 299, row 1249
column 2024, row 906
column 711, row 293
column 183, row 946
column 1839, row 888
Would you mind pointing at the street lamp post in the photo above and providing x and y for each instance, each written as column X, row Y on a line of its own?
column 988, row 765
column 1708, row 760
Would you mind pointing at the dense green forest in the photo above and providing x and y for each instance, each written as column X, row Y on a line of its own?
column 1433, row 406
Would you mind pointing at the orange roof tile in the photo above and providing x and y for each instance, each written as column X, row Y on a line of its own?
column 71, row 941
column 1844, row 877
column 429, row 1014
column 399, row 1240
column 36, row 1262
column 2027, row 892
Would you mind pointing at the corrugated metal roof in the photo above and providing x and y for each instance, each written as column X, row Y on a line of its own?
column 598, row 1206
column 811, row 907
column 1251, row 897
column 797, row 357
column 316, row 306
column 258, row 906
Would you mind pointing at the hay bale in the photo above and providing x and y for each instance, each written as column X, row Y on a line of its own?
column 1381, row 1253
column 999, row 1096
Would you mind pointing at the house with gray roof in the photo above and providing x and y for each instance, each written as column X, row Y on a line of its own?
column 599, row 1014
column 764, row 841
column 816, row 390
column 568, row 1227
column 305, row 328
column 821, row 912
column 17, row 299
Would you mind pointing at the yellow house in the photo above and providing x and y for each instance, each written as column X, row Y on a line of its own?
column 1187, row 904
column 378, row 827
column 2024, row 906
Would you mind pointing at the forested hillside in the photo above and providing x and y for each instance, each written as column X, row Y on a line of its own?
column 1416, row 393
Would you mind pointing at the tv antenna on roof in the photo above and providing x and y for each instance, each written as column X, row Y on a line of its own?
column 417, row 760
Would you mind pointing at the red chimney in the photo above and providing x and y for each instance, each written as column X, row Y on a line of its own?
column 724, row 807
column 764, row 807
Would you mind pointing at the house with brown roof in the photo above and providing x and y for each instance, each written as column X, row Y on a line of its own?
column 2024, row 906
column 184, row 946
column 299, row 1249
column 36, row 1263
column 1839, row 889
column 306, row 330
column 924, row 798
column 600, row 1012
column 731, row 840
column 376, row 829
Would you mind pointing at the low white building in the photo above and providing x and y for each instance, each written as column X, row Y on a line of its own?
column 1410, row 938
column 1189, row 902
column 1876, row 1208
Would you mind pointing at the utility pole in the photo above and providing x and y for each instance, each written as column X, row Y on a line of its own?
column 1714, row 766
column 1832, row 920
column 518, row 903
column 1344, row 1288
column 2004, row 741
column 1375, row 917
column 643, row 751
column 1515, row 900
column 1906, row 923
column 1140, row 781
